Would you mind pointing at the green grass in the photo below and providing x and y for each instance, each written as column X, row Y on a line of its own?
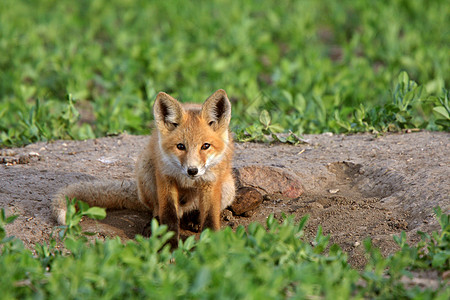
column 90, row 68
column 275, row 261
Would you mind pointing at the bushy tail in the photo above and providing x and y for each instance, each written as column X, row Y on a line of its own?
column 106, row 194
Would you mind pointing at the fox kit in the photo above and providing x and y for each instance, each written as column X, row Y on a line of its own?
column 185, row 166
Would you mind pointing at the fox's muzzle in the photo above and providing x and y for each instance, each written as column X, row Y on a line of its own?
column 192, row 171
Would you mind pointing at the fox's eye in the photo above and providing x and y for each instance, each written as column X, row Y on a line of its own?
column 181, row 146
column 205, row 146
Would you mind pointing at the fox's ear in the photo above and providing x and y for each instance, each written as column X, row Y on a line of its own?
column 217, row 110
column 167, row 111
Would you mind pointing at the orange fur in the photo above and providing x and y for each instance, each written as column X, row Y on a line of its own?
column 185, row 166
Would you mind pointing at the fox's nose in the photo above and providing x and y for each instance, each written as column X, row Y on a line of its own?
column 192, row 171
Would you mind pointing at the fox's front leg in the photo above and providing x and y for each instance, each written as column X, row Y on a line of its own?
column 168, row 208
column 210, row 201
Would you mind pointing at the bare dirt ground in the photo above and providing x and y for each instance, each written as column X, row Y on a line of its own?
column 355, row 186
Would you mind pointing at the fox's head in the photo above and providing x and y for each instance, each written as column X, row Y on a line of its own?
column 192, row 138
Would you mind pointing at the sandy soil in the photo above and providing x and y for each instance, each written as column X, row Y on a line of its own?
column 355, row 186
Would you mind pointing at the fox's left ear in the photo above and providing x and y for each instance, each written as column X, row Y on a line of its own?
column 217, row 110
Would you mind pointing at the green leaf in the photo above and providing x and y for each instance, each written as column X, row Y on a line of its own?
column 11, row 219
column 264, row 118
column 443, row 123
column 403, row 78
column 82, row 206
column 279, row 138
column 276, row 128
column 202, row 280
column 442, row 111
column 98, row 213
column 400, row 118
column 441, row 259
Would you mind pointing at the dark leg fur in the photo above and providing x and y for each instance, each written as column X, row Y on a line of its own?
column 169, row 217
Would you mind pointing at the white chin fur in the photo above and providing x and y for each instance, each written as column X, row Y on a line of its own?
column 173, row 168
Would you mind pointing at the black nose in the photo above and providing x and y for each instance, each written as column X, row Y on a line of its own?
column 192, row 171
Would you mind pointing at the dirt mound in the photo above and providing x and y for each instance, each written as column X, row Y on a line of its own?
column 354, row 186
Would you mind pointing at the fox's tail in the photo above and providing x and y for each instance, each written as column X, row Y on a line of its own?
column 106, row 194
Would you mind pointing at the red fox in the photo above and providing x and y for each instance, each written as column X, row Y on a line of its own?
column 185, row 166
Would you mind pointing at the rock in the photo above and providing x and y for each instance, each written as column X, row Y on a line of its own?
column 270, row 181
column 7, row 152
column 249, row 214
column 24, row 159
column 247, row 199
column 316, row 205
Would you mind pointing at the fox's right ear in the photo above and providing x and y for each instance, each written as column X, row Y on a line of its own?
column 167, row 111
column 217, row 110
